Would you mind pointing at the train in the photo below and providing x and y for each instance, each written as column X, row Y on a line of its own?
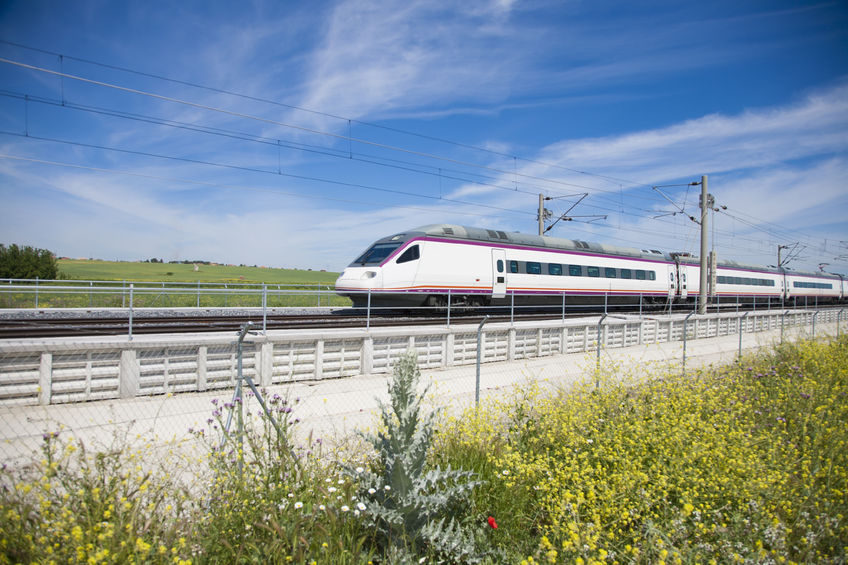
column 441, row 264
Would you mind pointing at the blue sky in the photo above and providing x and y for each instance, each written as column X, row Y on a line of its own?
column 294, row 134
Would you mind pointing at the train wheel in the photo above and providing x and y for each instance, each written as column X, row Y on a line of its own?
column 437, row 300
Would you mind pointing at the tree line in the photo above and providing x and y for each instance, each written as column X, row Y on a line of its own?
column 25, row 262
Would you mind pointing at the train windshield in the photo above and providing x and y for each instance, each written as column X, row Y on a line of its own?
column 377, row 253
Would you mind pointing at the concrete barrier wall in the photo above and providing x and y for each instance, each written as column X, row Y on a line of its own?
column 55, row 371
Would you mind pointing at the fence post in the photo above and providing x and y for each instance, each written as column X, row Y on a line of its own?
column 36, row 292
column 479, row 358
column 815, row 315
column 563, row 306
column 598, row 341
column 685, row 331
column 198, row 294
column 449, row 306
column 132, row 288
column 838, row 320
column 265, row 308
column 45, row 379
column 782, row 323
column 368, row 312
column 745, row 315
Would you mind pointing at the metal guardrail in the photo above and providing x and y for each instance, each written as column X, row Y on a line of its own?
column 23, row 293
column 35, row 293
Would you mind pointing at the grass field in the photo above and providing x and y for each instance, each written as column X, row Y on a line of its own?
column 169, row 285
column 79, row 269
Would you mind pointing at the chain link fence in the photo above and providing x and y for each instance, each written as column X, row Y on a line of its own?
column 168, row 387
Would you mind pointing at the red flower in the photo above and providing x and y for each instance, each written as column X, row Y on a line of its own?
column 492, row 523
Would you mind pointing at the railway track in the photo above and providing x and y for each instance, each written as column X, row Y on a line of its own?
column 44, row 325
column 70, row 327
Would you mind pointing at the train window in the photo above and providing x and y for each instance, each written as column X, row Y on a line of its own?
column 626, row 274
column 376, row 253
column 575, row 270
column 640, row 275
column 534, row 268
column 513, row 266
column 652, row 276
column 609, row 273
column 500, row 265
column 410, row 254
column 593, row 271
column 737, row 280
column 554, row 269
column 720, row 280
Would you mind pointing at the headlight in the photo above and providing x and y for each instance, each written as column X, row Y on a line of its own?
column 369, row 274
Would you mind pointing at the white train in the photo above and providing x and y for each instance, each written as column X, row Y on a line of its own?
column 427, row 265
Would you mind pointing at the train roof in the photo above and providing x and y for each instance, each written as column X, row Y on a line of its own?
column 544, row 241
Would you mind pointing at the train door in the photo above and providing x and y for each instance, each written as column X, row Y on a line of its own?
column 787, row 292
column 682, row 285
column 672, row 285
column 498, row 273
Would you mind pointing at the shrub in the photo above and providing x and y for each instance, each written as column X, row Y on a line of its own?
column 746, row 463
column 27, row 263
column 414, row 510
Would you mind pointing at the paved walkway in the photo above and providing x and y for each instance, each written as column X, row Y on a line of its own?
column 333, row 409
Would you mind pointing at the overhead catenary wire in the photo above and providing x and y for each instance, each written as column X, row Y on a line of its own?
column 207, row 183
column 311, row 130
column 350, row 139
column 515, row 158
column 269, row 121
column 305, row 177
column 265, row 140
column 256, row 170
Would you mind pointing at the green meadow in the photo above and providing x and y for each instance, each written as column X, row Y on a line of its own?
column 171, row 285
column 78, row 269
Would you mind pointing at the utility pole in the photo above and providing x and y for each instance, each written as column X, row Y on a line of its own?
column 705, row 205
column 541, row 214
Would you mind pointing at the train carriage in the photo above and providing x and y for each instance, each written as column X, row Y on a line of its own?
column 434, row 264
column 427, row 265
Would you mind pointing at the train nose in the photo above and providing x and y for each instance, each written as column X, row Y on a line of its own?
column 358, row 278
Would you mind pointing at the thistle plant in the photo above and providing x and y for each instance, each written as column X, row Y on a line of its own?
column 414, row 510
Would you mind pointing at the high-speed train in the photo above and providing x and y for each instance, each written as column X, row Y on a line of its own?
column 428, row 265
